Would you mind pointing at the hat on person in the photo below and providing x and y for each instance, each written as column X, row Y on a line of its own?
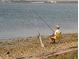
column 57, row 26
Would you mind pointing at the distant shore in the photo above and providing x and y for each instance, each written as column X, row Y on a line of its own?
column 41, row 1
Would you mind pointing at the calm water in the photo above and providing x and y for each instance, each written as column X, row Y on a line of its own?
column 21, row 20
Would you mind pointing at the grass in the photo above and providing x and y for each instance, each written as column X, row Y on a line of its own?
column 30, row 46
column 69, row 55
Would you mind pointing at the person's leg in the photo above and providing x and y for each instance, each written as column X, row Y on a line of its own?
column 52, row 40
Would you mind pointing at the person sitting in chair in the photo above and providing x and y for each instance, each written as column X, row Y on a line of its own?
column 57, row 35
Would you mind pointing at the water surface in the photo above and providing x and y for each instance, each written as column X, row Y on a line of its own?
column 22, row 19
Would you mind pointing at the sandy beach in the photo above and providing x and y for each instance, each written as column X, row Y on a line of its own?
column 30, row 48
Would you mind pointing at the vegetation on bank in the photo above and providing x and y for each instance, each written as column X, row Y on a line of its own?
column 69, row 55
column 30, row 47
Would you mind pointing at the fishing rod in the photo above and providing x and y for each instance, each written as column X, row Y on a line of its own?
column 40, row 38
column 43, row 20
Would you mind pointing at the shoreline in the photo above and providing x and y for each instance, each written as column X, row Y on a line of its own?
column 11, row 38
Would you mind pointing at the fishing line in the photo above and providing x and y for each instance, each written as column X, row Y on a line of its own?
column 42, row 19
column 39, row 36
column 35, row 19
